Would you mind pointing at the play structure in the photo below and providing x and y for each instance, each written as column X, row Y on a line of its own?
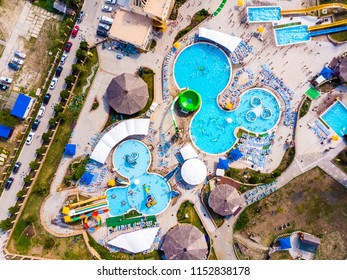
column 313, row 8
column 172, row 113
column 189, row 100
column 131, row 159
column 73, row 214
column 328, row 31
column 150, row 201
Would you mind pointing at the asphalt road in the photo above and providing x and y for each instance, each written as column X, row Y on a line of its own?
column 28, row 154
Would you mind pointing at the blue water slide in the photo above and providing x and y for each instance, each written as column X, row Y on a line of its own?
column 328, row 31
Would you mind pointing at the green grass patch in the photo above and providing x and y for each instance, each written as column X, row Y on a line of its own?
column 250, row 176
column 305, row 107
column 186, row 214
column 341, row 160
column 212, row 256
column 177, row 5
column 199, row 17
column 47, row 5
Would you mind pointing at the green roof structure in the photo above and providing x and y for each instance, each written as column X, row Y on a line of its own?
column 312, row 93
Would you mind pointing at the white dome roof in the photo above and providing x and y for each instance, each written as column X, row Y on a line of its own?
column 193, row 171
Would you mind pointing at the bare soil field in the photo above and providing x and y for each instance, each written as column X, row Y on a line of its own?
column 9, row 13
column 312, row 202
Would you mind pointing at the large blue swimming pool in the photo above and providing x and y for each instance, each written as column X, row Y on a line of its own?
column 206, row 69
column 336, row 118
column 264, row 14
column 131, row 159
column 292, row 35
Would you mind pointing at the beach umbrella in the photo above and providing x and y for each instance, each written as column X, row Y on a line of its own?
column 223, row 164
column 224, row 200
column 260, row 30
column 184, row 242
column 177, row 45
column 236, row 154
column 127, row 94
column 229, row 106
column 335, row 137
column 111, row 183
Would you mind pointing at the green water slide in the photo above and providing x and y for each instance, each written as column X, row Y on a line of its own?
column 221, row 6
column 189, row 100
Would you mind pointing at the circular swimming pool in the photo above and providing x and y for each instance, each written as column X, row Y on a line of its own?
column 131, row 159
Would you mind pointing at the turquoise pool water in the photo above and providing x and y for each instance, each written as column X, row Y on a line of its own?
column 120, row 200
column 292, row 35
column 212, row 129
column 336, row 118
column 264, row 14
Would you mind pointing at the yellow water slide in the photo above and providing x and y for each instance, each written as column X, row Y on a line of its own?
column 86, row 201
column 314, row 8
column 336, row 23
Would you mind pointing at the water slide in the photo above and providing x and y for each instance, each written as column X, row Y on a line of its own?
column 328, row 31
column 314, row 8
column 189, row 100
column 86, row 201
column 88, row 208
column 324, row 26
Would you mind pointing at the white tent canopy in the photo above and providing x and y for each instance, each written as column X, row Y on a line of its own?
column 194, row 171
column 225, row 40
column 135, row 242
column 188, row 152
column 121, row 131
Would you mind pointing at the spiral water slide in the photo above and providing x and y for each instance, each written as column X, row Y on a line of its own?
column 318, row 8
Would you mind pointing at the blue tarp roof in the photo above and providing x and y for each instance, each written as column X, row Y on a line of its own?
column 236, row 154
column 87, row 177
column 20, row 106
column 70, row 149
column 223, row 164
column 285, row 243
column 4, row 131
column 326, row 73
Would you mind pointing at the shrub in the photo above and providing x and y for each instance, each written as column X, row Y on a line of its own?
column 277, row 173
column 64, row 94
column 48, row 243
column 6, row 224
column 45, row 137
column 254, row 179
column 21, row 193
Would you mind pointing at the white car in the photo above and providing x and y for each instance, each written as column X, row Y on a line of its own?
column 106, row 9
column 111, row 2
column 30, row 138
column 17, row 61
column 6, row 80
column 20, row 54
column 53, row 83
column 41, row 111
column 104, row 26
column 63, row 58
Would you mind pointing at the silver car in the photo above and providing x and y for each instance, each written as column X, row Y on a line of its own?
column 17, row 61
column 106, row 9
column 104, row 26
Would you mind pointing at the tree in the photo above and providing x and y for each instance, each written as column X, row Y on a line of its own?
column 27, row 180
column 81, row 54
column 70, row 79
column 41, row 190
column 21, row 193
column 64, row 94
column 13, row 210
column 58, row 108
column 48, row 243
column 34, row 165
column 52, row 122
column 7, row 119
column 78, row 68
column 45, row 137
column 254, row 179
column 84, row 45
column 40, row 151
column 6, row 224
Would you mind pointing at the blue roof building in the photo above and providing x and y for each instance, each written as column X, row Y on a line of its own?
column 22, row 106
column 285, row 243
column 70, row 149
column 5, row 131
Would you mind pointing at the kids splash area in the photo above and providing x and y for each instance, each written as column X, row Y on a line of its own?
column 148, row 193
column 213, row 129
column 297, row 26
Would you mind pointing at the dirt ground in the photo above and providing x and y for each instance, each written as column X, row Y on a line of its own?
column 9, row 13
column 313, row 202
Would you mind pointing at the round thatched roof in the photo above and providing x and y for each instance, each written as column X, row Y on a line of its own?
column 224, row 199
column 184, row 242
column 127, row 94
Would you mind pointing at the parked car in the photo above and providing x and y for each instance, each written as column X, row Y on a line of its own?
column 111, row 2
column 101, row 33
column 63, row 58
column 120, row 56
column 106, row 20
column 16, row 167
column 53, row 83
column 68, row 46
column 103, row 26
column 13, row 66
column 58, row 71
column 30, row 138
column 75, row 31
column 3, row 87
column 35, row 124
column 80, row 17
column 8, row 183
column 46, row 99
column 106, row 8
column 6, row 80
column 20, row 54
column 17, row 60
column 41, row 111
